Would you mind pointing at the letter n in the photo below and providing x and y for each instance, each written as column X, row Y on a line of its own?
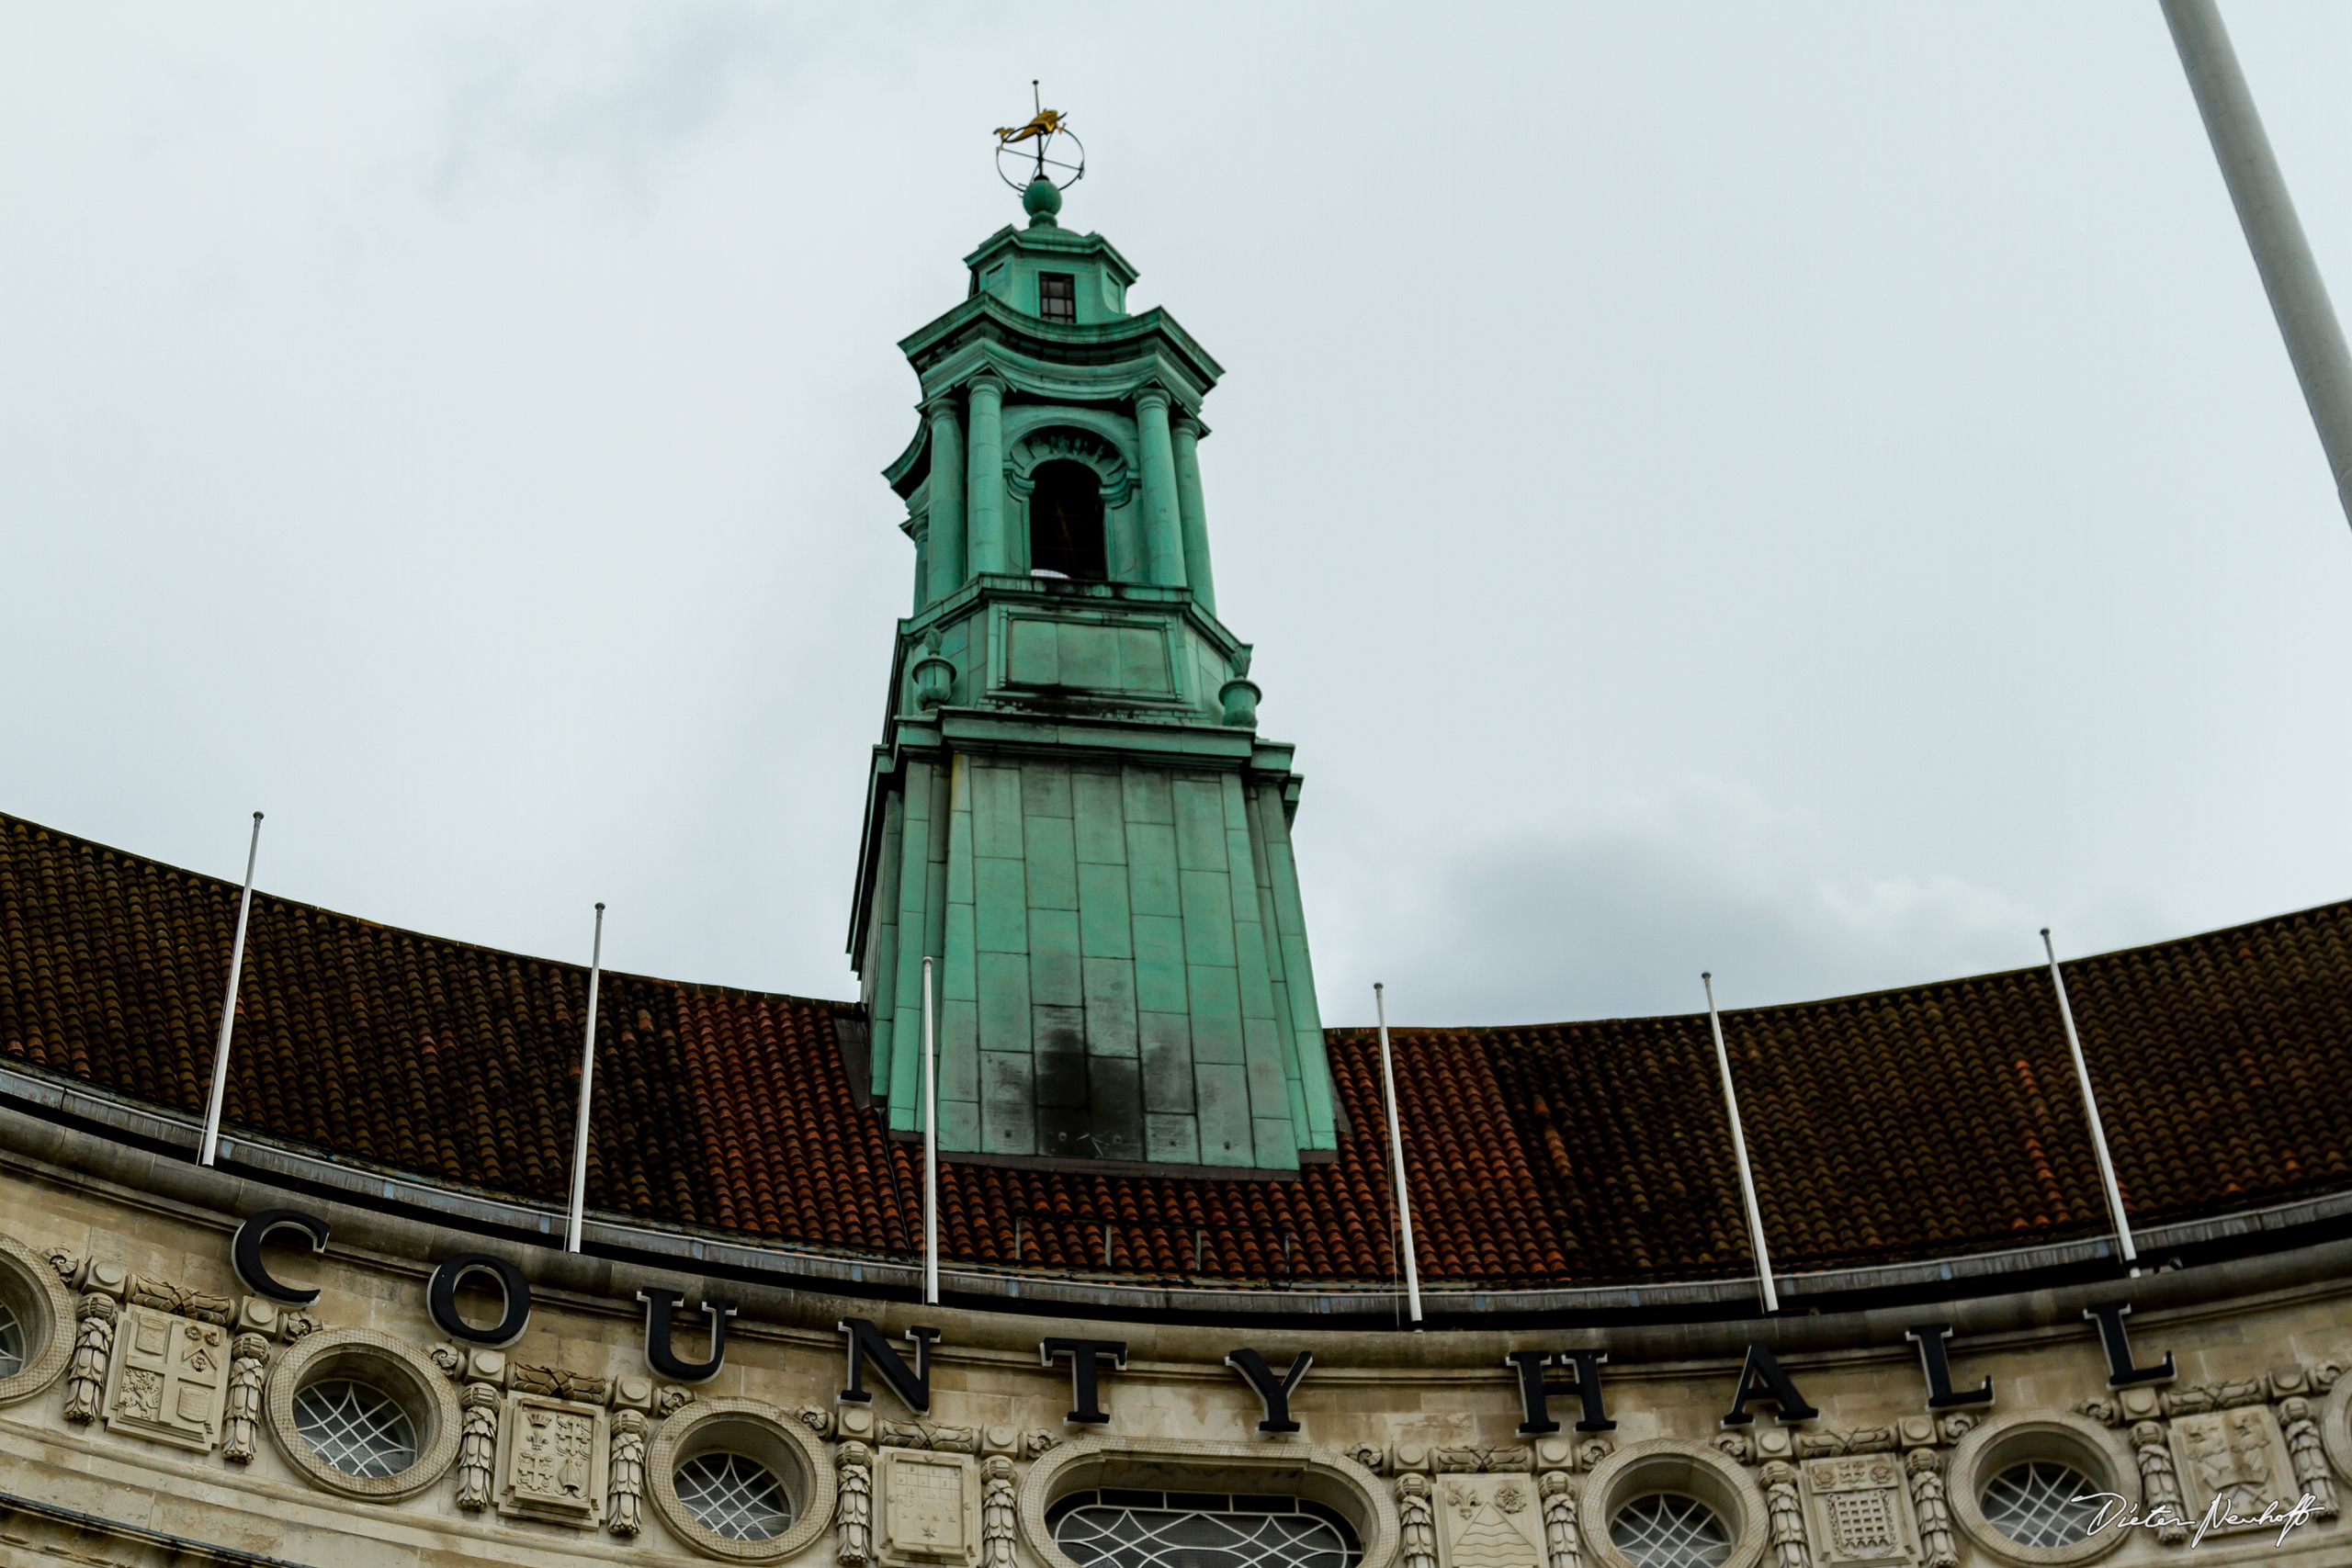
column 869, row 1347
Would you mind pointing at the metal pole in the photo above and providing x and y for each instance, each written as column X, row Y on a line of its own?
column 1396, row 1149
column 2090, row 1109
column 929, row 1153
column 212, row 1147
column 587, row 1090
column 1739, row 1149
column 2298, row 297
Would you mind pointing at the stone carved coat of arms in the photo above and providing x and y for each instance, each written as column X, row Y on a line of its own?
column 1860, row 1514
column 554, row 1456
column 170, row 1378
column 2238, row 1456
column 929, row 1504
column 1489, row 1521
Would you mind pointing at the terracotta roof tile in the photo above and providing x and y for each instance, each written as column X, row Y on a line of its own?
column 1935, row 1120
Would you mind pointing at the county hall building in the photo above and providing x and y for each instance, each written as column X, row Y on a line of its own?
column 1174, row 1325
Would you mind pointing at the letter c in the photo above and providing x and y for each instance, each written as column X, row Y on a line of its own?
column 441, row 1300
column 245, row 1253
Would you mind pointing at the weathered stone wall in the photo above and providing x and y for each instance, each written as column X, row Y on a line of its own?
column 154, row 1417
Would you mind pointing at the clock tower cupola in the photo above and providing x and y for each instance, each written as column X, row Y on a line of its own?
column 1072, row 809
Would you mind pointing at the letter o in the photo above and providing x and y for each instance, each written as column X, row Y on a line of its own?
column 441, row 1299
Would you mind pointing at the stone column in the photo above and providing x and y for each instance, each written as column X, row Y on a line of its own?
column 1163, row 536
column 945, row 552
column 1195, row 521
column 984, row 493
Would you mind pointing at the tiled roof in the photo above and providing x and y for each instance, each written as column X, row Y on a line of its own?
column 1938, row 1120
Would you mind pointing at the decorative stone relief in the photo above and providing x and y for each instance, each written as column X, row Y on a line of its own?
column 914, row 1435
column 2200, row 1399
column 997, row 1511
column 169, row 1379
column 477, row 1444
column 1860, row 1512
column 2307, row 1454
column 557, row 1384
column 817, row 1421
column 1558, row 1490
column 1489, row 1521
column 241, row 1416
column 1861, row 1440
column 1478, row 1459
column 2159, row 1485
column 672, row 1400
column 552, row 1460
column 1372, row 1456
column 929, row 1511
column 1929, row 1508
column 1036, row 1444
column 1415, row 1521
column 1786, row 1517
column 2235, row 1454
column 86, row 1375
column 628, row 1474
column 855, row 1521
column 178, row 1301
column 64, row 1262
column 1733, row 1445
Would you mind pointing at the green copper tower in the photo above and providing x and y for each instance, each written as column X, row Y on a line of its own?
column 1071, row 808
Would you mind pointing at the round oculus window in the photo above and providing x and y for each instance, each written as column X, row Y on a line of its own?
column 355, row 1428
column 2042, row 1504
column 733, row 1497
column 1666, row 1530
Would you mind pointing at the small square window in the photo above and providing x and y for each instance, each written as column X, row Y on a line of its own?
column 1058, row 296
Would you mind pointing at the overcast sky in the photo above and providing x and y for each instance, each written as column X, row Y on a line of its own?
column 1810, row 490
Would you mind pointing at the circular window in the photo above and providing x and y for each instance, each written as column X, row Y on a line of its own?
column 2040, row 1503
column 362, row 1413
column 1121, row 1529
column 1664, row 1530
column 1669, row 1504
column 355, row 1428
column 739, row 1479
column 2014, row 1482
column 733, row 1497
column 36, row 1322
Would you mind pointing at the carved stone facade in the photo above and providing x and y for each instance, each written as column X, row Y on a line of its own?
column 1860, row 1512
column 169, row 1379
column 929, row 1506
column 552, row 1460
column 2234, row 1454
column 1489, row 1521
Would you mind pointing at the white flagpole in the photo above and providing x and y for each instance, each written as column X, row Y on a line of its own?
column 2281, row 253
column 1397, row 1150
column 212, row 1149
column 587, row 1089
column 930, row 1154
column 1739, row 1148
column 2090, row 1108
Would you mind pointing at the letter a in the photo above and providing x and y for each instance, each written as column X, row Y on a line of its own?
column 1761, row 1377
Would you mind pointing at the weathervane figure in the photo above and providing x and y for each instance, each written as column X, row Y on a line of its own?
column 1029, row 154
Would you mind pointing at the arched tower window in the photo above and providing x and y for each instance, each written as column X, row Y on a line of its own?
column 1066, row 521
